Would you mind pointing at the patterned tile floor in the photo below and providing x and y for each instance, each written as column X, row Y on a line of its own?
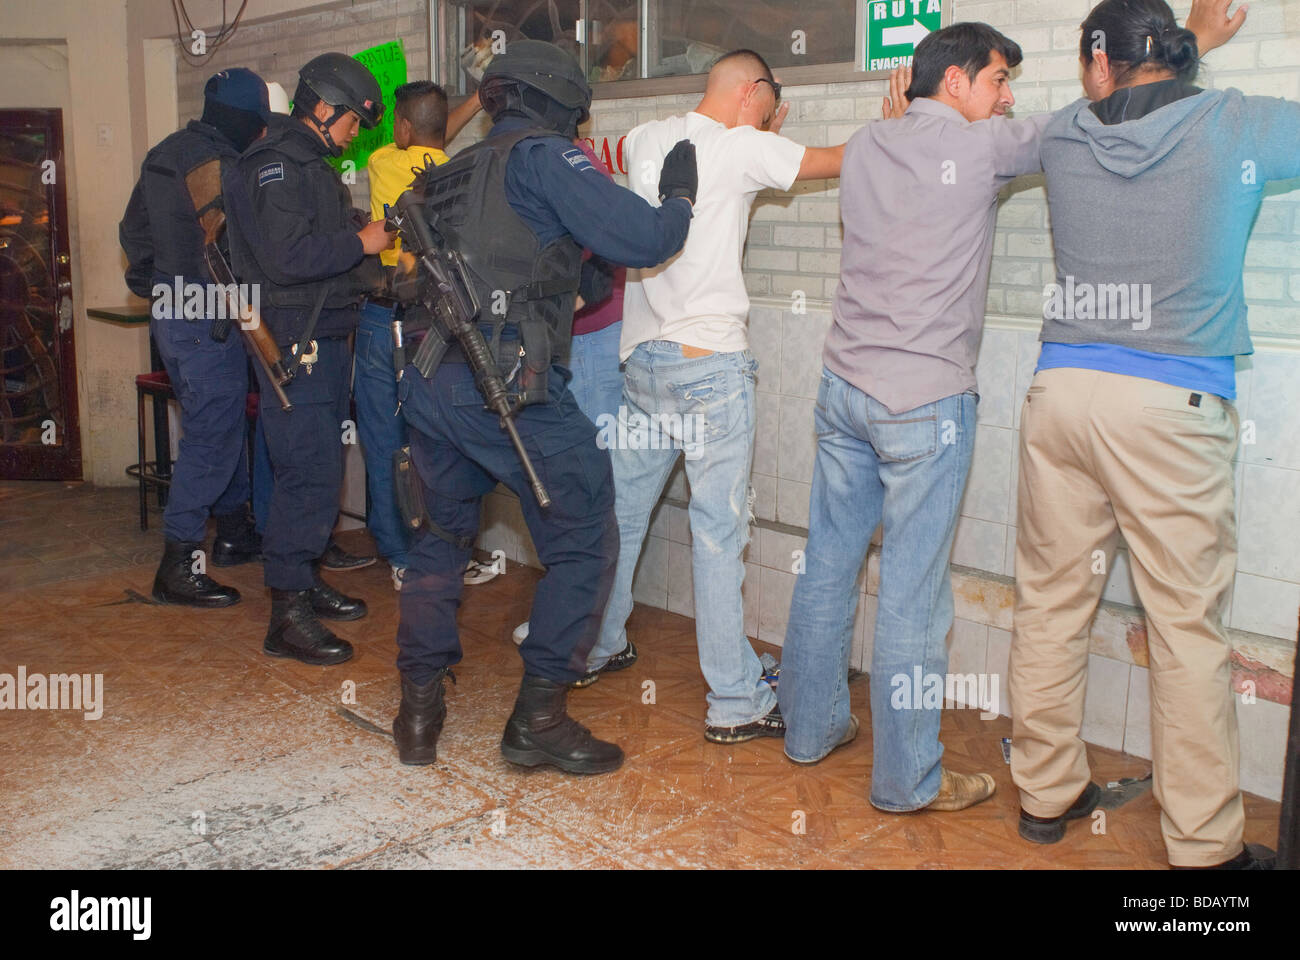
column 209, row 754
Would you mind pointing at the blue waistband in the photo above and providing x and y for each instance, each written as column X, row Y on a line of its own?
column 1214, row 375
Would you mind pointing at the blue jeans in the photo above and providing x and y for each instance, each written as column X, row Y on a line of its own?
column 381, row 429
column 908, row 470
column 710, row 401
column 597, row 382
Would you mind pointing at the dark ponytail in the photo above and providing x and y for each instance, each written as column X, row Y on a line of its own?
column 1139, row 33
column 1179, row 51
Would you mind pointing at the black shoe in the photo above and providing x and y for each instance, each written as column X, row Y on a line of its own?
column 1052, row 829
column 1253, row 856
column 619, row 661
column 769, row 725
column 295, row 632
column 336, row 558
column 237, row 540
column 329, row 603
column 419, row 719
column 540, row 731
column 176, row 582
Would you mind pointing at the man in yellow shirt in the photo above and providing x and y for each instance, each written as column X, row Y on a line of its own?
column 421, row 126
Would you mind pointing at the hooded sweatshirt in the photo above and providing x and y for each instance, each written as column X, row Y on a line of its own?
column 1152, row 193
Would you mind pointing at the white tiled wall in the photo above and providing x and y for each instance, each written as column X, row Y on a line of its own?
column 1264, row 604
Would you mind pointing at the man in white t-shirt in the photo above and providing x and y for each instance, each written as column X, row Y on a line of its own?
column 689, row 381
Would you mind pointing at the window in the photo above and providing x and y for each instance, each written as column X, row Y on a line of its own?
column 686, row 36
column 645, row 40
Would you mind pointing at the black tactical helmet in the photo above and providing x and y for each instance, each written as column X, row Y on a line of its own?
column 342, row 82
column 534, row 65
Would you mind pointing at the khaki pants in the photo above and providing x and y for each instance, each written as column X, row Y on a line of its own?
column 1103, row 454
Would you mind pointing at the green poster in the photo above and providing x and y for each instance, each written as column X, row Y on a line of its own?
column 388, row 63
column 895, row 27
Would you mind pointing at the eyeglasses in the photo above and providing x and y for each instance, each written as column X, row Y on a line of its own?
column 776, row 87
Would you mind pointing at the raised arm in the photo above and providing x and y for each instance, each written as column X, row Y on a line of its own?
column 1210, row 22
column 823, row 163
column 457, row 118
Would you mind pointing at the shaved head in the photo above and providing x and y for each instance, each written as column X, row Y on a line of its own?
column 735, row 69
column 741, row 91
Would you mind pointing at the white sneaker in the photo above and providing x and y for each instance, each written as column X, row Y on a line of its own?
column 521, row 633
column 477, row 573
column 399, row 574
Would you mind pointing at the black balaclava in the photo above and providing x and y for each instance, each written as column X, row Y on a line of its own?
column 240, row 127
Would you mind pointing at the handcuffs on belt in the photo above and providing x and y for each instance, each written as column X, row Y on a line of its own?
column 309, row 356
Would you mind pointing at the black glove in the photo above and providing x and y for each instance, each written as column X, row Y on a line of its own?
column 596, row 282
column 679, row 177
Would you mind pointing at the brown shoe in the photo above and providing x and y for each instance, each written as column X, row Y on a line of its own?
column 957, row 791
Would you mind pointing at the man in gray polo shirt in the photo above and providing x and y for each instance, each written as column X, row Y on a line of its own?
column 895, row 415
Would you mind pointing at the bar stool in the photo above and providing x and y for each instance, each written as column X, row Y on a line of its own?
column 152, row 473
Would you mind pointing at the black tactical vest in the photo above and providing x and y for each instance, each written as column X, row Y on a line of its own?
column 176, row 239
column 526, row 292
column 288, row 307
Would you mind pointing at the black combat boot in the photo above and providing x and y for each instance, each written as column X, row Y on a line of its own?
column 237, row 540
column 540, row 731
column 419, row 719
column 176, row 582
column 329, row 604
column 336, row 558
column 295, row 632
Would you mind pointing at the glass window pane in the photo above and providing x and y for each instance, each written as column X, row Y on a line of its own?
column 686, row 36
column 477, row 28
column 615, row 39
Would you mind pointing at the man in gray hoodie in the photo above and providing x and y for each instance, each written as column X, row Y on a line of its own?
column 1129, row 427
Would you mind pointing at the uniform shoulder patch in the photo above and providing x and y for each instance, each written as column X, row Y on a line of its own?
column 577, row 159
column 270, row 173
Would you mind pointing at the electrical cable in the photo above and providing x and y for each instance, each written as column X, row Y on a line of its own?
column 224, row 33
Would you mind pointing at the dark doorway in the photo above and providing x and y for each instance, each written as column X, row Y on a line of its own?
column 39, row 435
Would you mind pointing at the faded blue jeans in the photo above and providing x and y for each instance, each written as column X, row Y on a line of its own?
column 908, row 470
column 382, row 429
column 597, row 382
column 705, row 406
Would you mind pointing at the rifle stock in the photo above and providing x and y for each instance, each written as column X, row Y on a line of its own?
column 204, row 185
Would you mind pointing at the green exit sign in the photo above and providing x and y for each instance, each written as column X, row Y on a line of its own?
column 891, row 29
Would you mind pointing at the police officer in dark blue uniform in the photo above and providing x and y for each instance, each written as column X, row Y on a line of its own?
column 521, row 205
column 164, row 243
column 293, row 233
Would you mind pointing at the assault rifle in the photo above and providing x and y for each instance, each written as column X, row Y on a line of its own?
column 447, row 294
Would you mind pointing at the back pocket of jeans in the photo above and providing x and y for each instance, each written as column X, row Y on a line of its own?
column 912, row 435
column 706, row 405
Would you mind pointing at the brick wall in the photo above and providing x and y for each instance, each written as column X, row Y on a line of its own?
column 276, row 50
column 795, row 237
